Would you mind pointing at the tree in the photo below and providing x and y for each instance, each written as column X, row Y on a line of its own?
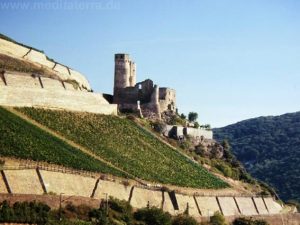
column 196, row 125
column 193, row 116
column 153, row 216
column 184, row 220
column 182, row 116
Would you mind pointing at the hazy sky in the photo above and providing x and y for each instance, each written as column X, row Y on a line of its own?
column 228, row 60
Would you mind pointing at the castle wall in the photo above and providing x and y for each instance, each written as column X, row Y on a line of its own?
column 179, row 131
column 24, row 181
column 246, row 206
column 26, row 91
column 167, row 99
column 260, row 205
column 142, row 197
column 193, row 132
column 208, row 205
column 69, row 184
column 228, row 206
column 186, row 201
column 21, row 52
column 112, row 189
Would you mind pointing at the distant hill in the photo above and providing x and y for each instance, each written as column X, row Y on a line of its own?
column 269, row 148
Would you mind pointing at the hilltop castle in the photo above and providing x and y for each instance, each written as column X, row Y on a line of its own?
column 143, row 97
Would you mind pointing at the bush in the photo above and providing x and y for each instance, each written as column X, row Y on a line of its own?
column 184, row 220
column 153, row 216
column 217, row 219
column 246, row 221
column 25, row 212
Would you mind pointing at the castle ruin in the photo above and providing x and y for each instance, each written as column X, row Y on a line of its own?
column 143, row 97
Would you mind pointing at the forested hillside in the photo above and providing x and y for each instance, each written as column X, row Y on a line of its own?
column 269, row 147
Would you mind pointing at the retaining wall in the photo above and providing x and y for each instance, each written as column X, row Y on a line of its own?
column 142, row 197
column 167, row 204
column 27, row 182
column 18, row 51
column 28, row 91
column 260, row 205
column 273, row 206
column 112, row 189
column 24, row 182
column 186, row 201
column 2, row 185
column 246, row 206
column 228, row 206
column 69, row 184
column 208, row 205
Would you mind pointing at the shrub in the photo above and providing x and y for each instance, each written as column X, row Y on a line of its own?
column 153, row 216
column 248, row 221
column 217, row 219
column 184, row 220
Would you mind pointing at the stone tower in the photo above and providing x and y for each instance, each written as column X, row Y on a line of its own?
column 125, row 72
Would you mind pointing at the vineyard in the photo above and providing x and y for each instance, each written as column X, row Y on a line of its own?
column 23, row 140
column 126, row 146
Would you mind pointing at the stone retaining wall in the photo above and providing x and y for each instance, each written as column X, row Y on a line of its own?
column 32, row 55
column 228, row 206
column 24, row 181
column 27, row 182
column 69, row 184
column 28, row 91
column 208, row 205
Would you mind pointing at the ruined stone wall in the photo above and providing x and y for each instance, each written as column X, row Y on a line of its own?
column 37, row 57
column 198, row 132
column 27, row 91
column 29, row 182
column 179, row 131
column 167, row 99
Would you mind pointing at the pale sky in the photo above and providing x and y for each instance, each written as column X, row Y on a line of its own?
column 228, row 60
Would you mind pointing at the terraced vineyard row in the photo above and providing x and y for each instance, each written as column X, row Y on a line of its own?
column 24, row 140
column 126, row 146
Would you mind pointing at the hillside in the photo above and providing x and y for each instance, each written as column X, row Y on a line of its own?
column 117, row 141
column 21, row 139
column 269, row 147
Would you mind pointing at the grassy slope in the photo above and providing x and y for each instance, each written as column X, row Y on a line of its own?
column 127, row 146
column 23, row 140
column 269, row 147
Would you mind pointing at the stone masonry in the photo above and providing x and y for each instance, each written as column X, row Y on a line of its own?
column 143, row 97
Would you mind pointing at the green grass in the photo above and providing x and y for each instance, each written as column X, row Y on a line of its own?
column 24, row 140
column 127, row 146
